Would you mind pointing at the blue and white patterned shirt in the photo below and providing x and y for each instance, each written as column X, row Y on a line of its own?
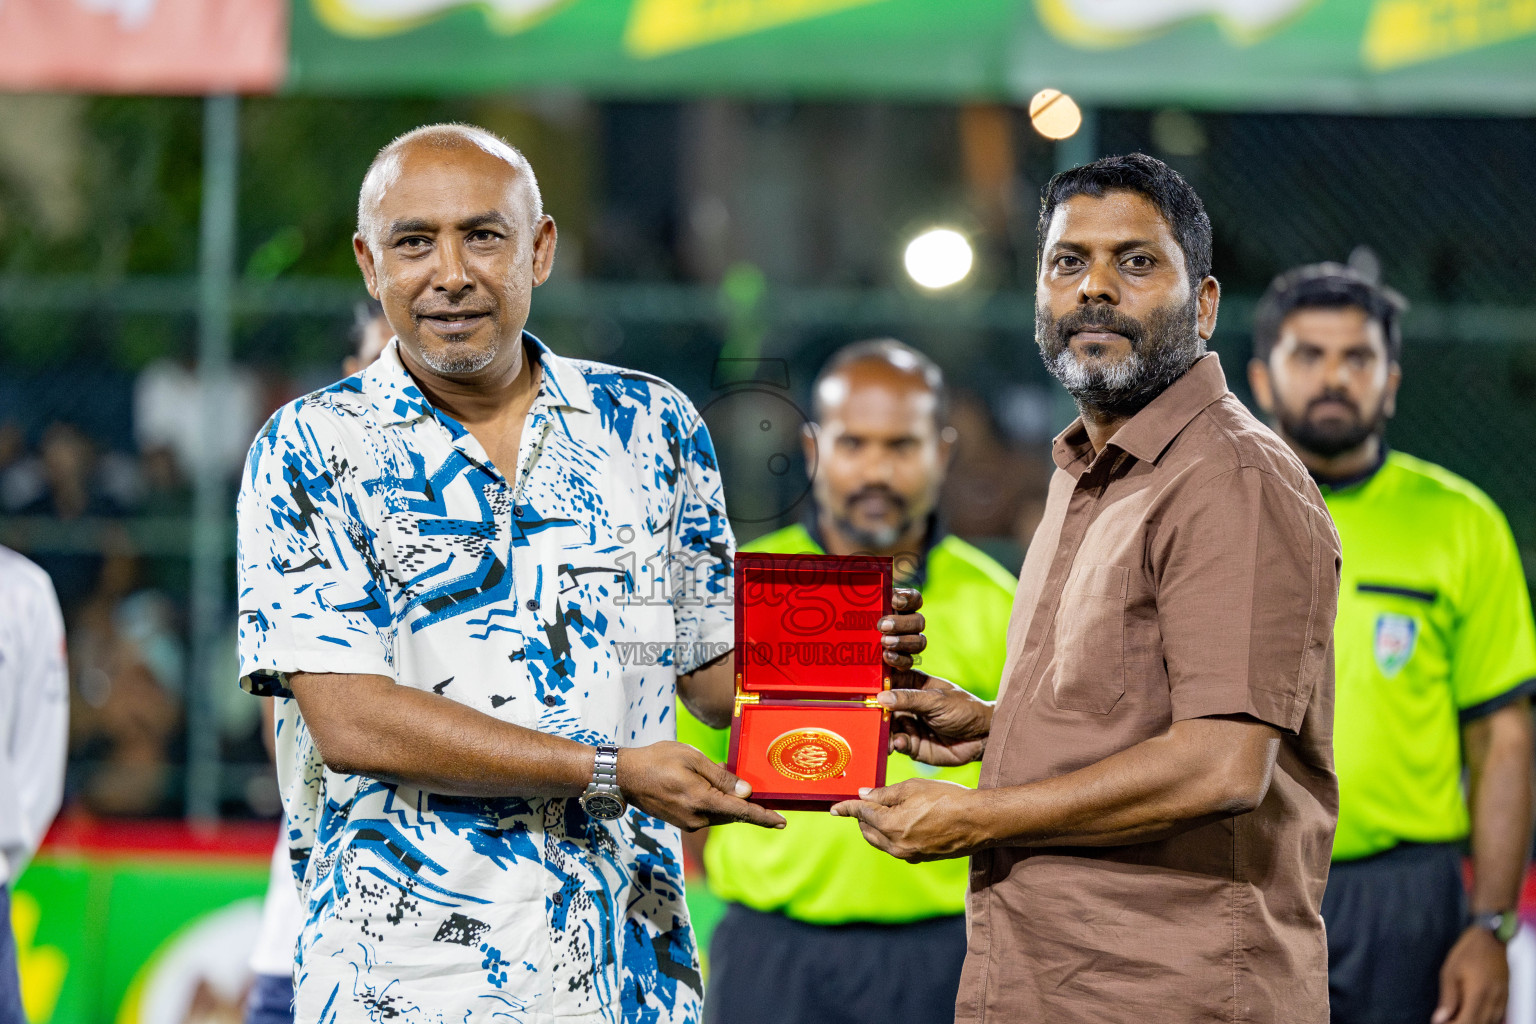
column 376, row 537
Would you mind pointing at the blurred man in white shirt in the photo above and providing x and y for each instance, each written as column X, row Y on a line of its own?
column 34, row 720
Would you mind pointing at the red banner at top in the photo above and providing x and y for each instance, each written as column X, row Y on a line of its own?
column 148, row 46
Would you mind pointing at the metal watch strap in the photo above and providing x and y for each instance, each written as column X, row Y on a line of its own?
column 605, row 766
column 1502, row 923
column 603, row 799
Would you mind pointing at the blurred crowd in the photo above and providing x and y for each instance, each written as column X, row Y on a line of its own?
column 109, row 523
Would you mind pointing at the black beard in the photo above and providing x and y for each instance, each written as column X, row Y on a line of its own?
column 1164, row 346
column 1333, row 439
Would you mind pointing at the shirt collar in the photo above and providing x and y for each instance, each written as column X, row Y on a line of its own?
column 398, row 400
column 1148, row 433
column 564, row 383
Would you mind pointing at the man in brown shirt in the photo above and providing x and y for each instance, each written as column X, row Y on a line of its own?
column 1151, row 837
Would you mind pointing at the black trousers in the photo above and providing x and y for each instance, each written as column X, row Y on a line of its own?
column 1392, row 919
column 769, row 969
column 10, row 983
column 270, row 1000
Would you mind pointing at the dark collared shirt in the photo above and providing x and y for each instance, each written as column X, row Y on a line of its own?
column 1187, row 570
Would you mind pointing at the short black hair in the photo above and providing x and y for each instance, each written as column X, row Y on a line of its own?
column 1147, row 176
column 893, row 353
column 1326, row 286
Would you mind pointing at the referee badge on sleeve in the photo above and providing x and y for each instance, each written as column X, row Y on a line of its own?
column 1395, row 636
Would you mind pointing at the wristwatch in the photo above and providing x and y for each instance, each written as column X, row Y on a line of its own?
column 603, row 800
column 1503, row 923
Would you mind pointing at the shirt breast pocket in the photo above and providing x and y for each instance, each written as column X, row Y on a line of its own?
column 1090, row 639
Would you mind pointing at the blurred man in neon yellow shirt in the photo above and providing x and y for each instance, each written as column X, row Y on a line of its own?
column 821, row 925
column 1436, row 659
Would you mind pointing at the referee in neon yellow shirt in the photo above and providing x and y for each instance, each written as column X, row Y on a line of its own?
column 1435, row 663
column 822, row 927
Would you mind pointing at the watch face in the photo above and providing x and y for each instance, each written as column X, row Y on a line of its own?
column 1503, row 925
column 603, row 805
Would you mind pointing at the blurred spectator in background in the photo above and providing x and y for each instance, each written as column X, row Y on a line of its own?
column 62, row 484
column 271, row 997
column 822, row 926
column 1436, row 659
column 992, row 489
column 166, row 490
column 126, row 726
column 370, row 333
column 34, row 705
column 13, row 448
column 168, row 413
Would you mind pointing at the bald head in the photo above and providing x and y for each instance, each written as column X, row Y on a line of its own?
column 390, row 162
column 881, row 359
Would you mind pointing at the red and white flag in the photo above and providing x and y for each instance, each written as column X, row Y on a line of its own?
column 148, row 46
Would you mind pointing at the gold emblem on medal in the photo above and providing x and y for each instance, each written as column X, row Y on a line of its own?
column 809, row 755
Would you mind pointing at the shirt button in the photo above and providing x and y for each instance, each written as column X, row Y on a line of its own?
column 517, row 510
column 533, row 604
column 550, row 700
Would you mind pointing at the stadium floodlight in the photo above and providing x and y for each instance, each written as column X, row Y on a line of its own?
column 938, row 258
column 1055, row 114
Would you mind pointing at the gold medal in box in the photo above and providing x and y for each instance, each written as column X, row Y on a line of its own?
column 807, row 730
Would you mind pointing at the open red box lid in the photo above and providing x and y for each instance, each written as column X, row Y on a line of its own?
column 807, row 625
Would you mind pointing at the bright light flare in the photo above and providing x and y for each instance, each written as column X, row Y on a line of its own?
column 939, row 258
column 1055, row 114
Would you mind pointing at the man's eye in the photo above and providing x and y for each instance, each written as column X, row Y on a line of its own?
column 412, row 242
column 1139, row 262
column 483, row 236
column 1068, row 262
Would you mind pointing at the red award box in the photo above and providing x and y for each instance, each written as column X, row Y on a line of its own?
column 807, row 730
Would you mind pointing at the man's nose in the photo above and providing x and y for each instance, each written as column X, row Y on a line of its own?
column 452, row 270
column 1099, row 283
column 878, row 466
column 1336, row 374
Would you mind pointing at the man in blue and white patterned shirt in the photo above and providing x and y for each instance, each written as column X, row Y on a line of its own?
column 448, row 563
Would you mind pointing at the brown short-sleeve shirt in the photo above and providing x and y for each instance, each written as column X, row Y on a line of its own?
column 1188, row 570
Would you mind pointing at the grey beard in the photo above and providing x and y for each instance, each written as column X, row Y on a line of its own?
column 1163, row 351
column 882, row 539
column 1125, row 388
column 458, row 358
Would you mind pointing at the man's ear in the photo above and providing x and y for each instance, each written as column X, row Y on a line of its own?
column 544, row 237
column 1207, row 300
column 809, row 435
column 1262, row 386
column 1394, row 378
column 364, row 256
column 947, row 438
